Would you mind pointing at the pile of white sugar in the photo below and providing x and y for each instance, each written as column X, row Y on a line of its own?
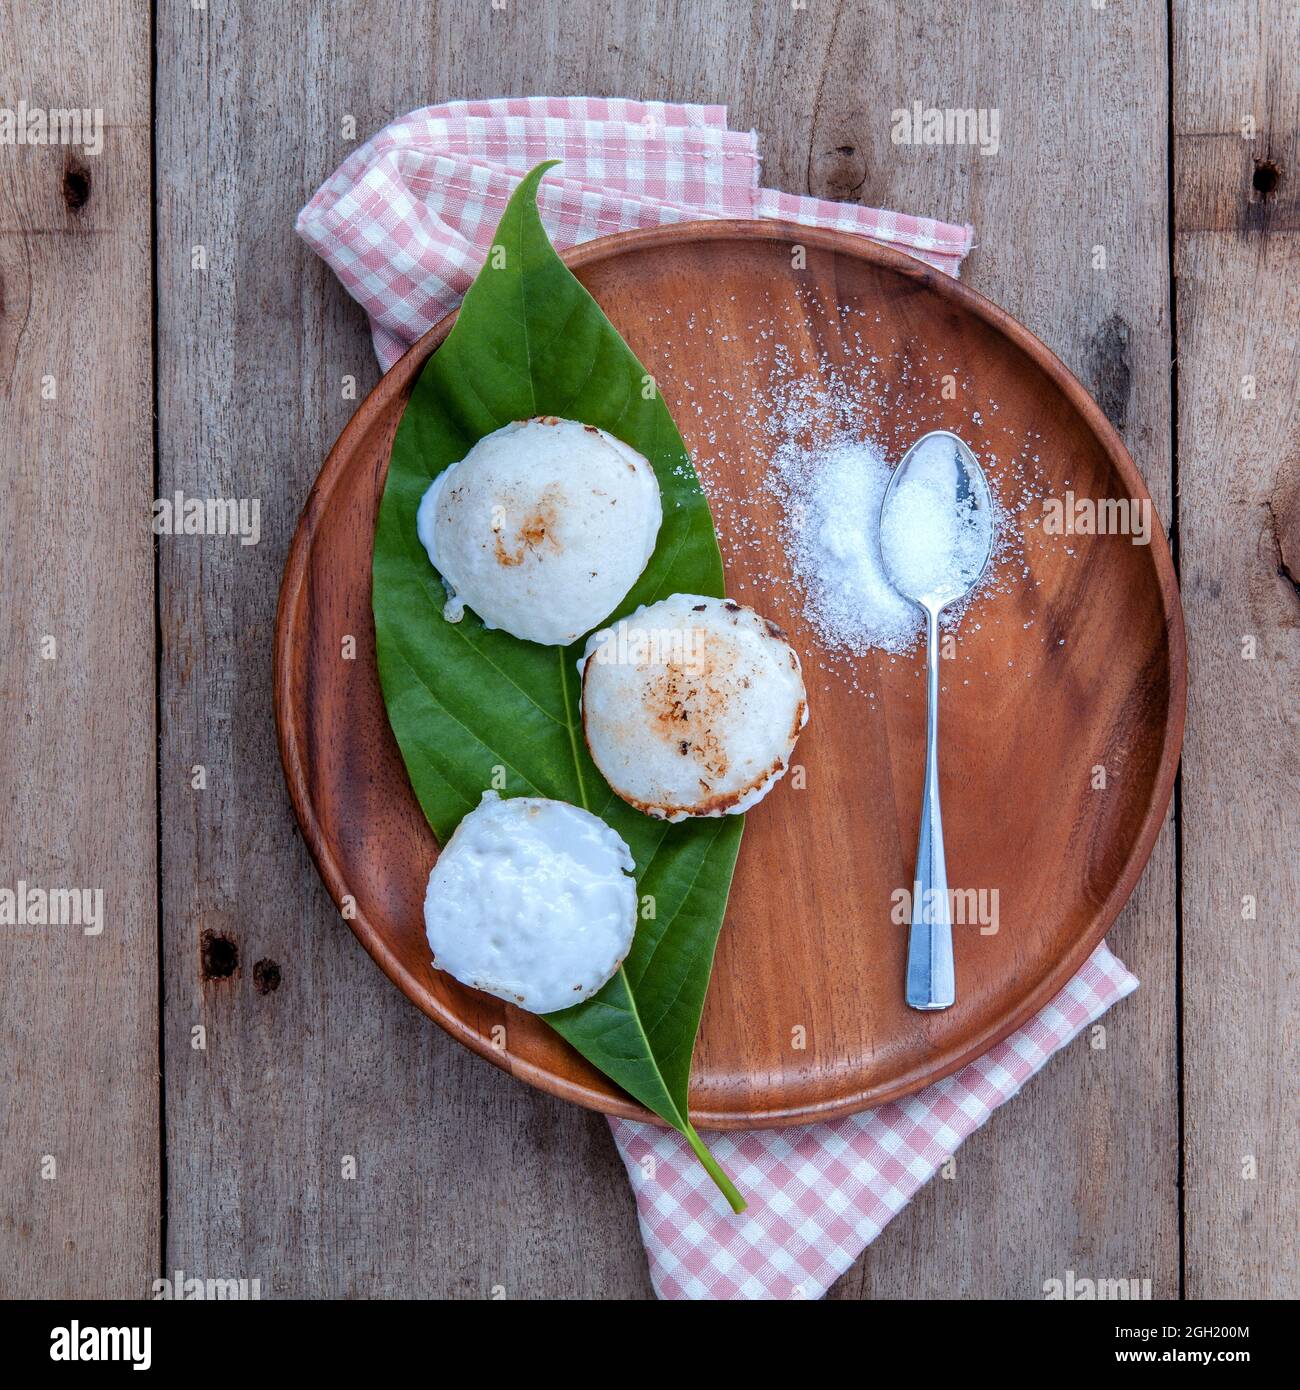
column 832, row 523
column 819, row 429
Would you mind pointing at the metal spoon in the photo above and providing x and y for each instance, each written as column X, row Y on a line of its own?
column 942, row 461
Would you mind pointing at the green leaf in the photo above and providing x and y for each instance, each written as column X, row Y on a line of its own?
column 463, row 700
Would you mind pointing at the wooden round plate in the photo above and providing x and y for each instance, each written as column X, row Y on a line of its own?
column 1078, row 665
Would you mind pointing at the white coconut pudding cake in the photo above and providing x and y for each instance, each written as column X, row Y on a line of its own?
column 542, row 528
column 532, row 900
column 690, row 706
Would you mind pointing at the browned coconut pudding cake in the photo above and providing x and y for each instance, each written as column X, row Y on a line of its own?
column 692, row 706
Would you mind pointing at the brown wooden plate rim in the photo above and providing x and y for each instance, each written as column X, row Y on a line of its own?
column 398, row 380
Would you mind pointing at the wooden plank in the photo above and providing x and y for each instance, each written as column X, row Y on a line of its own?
column 1080, row 1171
column 79, row 1200
column 1238, row 267
column 466, row 1179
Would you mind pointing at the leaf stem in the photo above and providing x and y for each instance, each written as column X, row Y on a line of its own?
column 572, row 722
column 714, row 1169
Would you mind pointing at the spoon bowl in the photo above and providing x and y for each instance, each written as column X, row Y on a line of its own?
column 936, row 521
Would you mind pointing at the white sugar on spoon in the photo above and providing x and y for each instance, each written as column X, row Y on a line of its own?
column 936, row 536
column 932, row 541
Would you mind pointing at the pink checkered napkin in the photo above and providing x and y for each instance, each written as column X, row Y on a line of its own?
column 820, row 1194
column 406, row 222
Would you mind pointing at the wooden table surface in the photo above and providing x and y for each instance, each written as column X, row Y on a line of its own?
column 161, row 328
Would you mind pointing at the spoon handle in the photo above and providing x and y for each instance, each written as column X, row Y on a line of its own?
column 930, row 979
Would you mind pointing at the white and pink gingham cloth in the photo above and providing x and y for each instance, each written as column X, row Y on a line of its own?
column 820, row 1194
column 406, row 222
